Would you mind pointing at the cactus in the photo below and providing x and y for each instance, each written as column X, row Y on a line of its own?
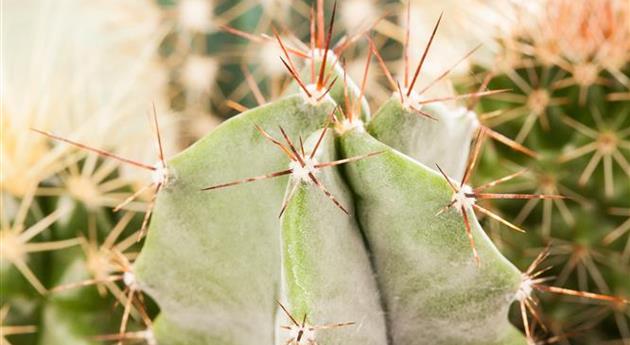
column 309, row 219
column 310, row 259
column 577, row 121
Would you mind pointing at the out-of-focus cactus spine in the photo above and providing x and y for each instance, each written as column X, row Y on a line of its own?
column 569, row 103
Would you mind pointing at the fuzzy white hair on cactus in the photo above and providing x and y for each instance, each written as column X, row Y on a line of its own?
column 411, row 99
column 462, row 199
column 268, row 53
column 351, row 10
column 525, row 290
column 301, row 172
column 195, row 15
column 160, row 174
column 129, row 279
column 198, row 73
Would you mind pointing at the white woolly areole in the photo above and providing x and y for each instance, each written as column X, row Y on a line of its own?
column 268, row 53
column 307, row 338
column 199, row 73
column 300, row 172
column 130, row 280
column 346, row 125
column 160, row 174
column 413, row 100
column 316, row 95
column 462, row 200
column 525, row 289
column 195, row 15
column 357, row 14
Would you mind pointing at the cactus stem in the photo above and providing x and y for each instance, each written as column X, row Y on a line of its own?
column 301, row 333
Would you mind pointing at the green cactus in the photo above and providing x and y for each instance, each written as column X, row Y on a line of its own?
column 313, row 220
column 313, row 258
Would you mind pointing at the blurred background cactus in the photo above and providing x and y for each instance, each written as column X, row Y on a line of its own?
column 569, row 102
column 94, row 70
